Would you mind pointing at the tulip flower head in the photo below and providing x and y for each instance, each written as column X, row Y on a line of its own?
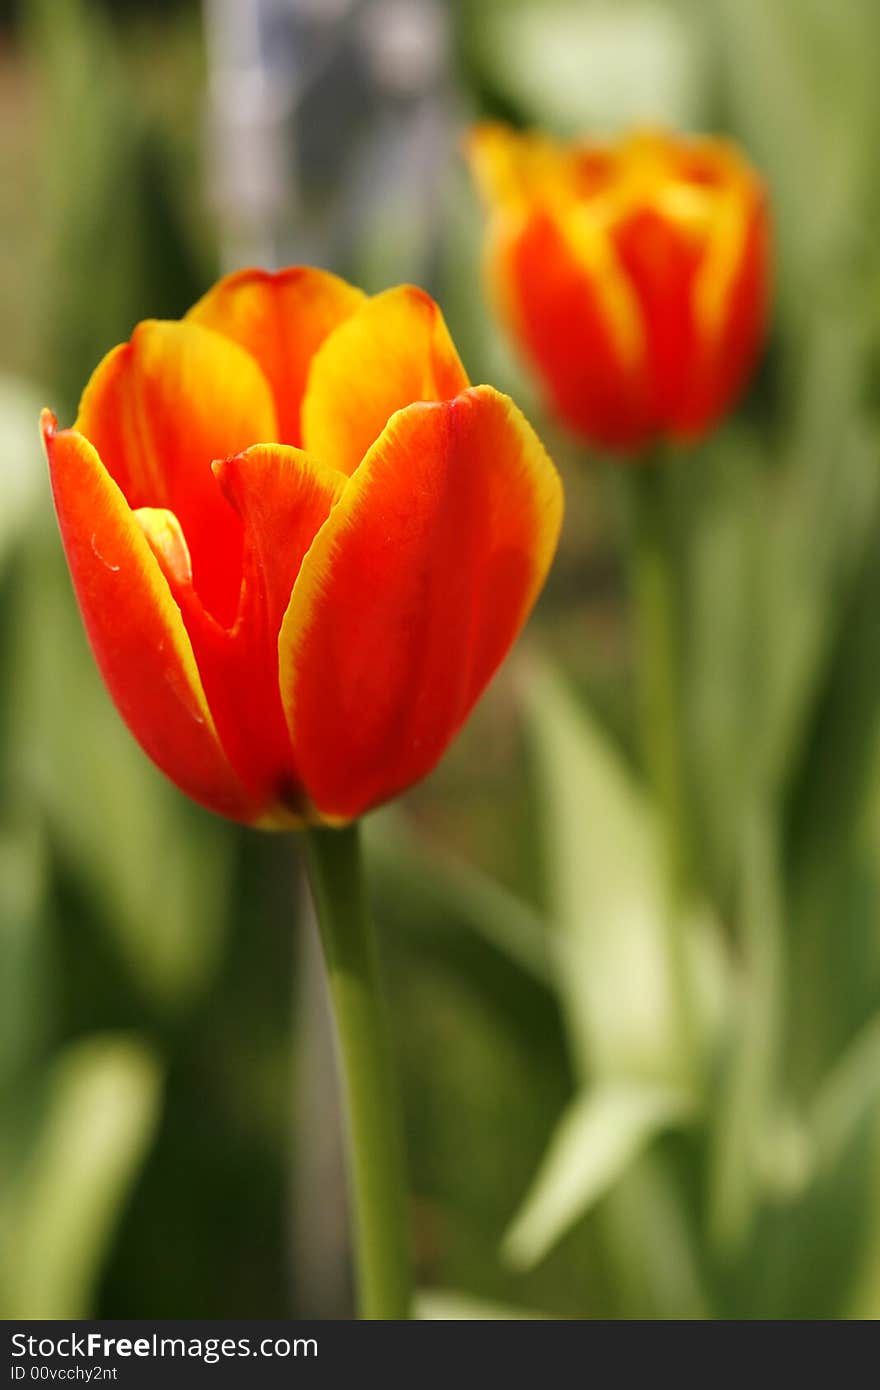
column 301, row 542
column 633, row 274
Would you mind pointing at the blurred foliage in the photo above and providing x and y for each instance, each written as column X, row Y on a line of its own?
column 610, row 1112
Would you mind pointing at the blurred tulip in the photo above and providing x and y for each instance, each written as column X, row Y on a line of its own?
column 633, row 274
column 300, row 540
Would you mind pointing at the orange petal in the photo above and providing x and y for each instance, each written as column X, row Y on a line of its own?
column 662, row 263
column 559, row 311
column 728, row 356
column 281, row 320
column 282, row 497
column 411, row 595
column 167, row 542
column 159, row 410
column 135, row 627
column 515, row 169
column 395, row 350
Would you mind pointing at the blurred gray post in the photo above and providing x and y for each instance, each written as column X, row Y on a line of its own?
column 328, row 126
column 250, row 179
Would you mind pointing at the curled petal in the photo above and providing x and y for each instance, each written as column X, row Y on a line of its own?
column 167, row 542
column 159, row 409
column 281, row 319
column 412, row 593
column 135, row 627
column 395, row 350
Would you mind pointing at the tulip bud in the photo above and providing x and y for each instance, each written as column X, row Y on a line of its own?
column 633, row 275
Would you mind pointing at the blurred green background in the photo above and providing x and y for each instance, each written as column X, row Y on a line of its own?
column 169, row 1139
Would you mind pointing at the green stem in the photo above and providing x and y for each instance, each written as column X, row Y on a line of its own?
column 659, row 695
column 377, row 1175
column 658, row 663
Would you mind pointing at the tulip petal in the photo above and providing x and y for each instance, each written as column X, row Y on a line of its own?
column 395, row 350
column 516, row 170
column 281, row 319
column 282, row 497
column 159, row 409
column 412, row 593
column 167, row 542
column 735, row 302
column 576, row 318
column 135, row 627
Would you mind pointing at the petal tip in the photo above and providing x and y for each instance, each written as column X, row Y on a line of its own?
column 415, row 294
column 48, row 425
column 225, row 472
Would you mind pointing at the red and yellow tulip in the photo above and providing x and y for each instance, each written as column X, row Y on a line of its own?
column 633, row 274
column 301, row 541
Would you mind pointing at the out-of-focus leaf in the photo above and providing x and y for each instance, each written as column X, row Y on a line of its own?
column 468, row 894
column 720, row 662
column 811, row 1243
column 825, row 498
column 447, row 1305
column 848, row 1097
column 816, row 1194
column 818, row 710
column 596, row 1140
column 803, row 89
column 22, row 467
column 118, row 250
column 747, row 1093
column 576, row 64
column 58, row 1225
column 770, row 559
column 24, row 979
column 652, row 1245
column 865, row 1300
column 606, row 887
column 835, row 867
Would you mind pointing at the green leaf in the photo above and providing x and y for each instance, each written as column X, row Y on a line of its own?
column 25, row 974
column 433, row 875
column 801, row 82
column 116, row 249
column 833, row 849
column 811, row 1187
column 22, row 466
column 595, row 1142
column 615, row 974
column 447, row 1305
column 652, row 1244
column 58, row 1226
column 816, row 534
column 848, row 1098
column 574, row 64
column 745, row 1153
column 864, row 1302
